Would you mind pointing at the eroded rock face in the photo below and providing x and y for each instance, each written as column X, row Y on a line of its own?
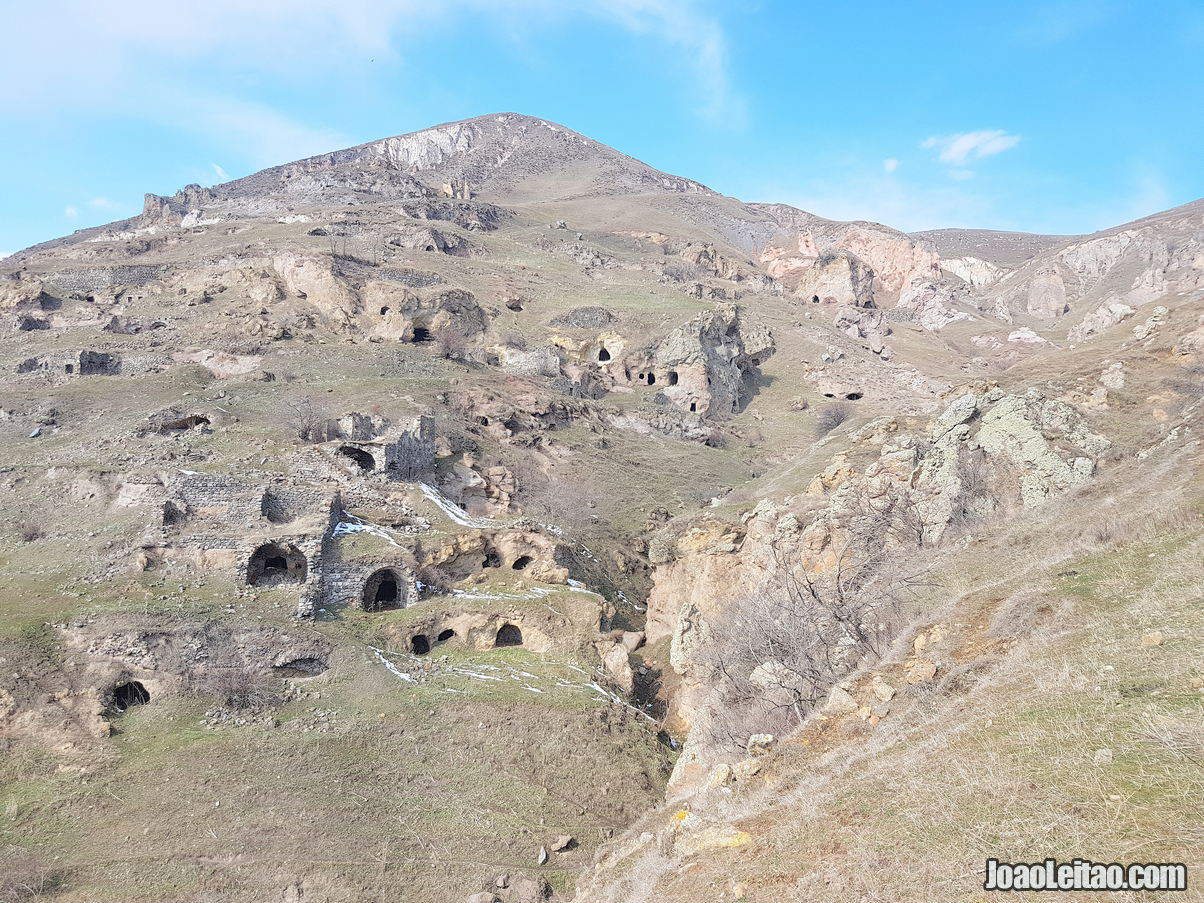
column 69, row 706
column 985, row 449
column 894, row 258
column 1107, row 314
column 704, row 364
column 972, row 270
column 1130, row 266
column 838, row 277
column 394, row 312
column 934, row 302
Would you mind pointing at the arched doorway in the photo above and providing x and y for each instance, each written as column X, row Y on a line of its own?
column 362, row 459
column 127, row 695
column 275, row 563
column 509, row 635
column 384, row 590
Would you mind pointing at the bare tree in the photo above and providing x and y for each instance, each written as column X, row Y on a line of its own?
column 307, row 421
column 775, row 654
column 891, row 518
column 451, row 344
column 410, row 457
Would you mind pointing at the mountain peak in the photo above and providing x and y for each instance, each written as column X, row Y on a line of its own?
column 509, row 156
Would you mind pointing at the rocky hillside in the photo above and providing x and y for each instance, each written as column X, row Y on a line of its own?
column 480, row 514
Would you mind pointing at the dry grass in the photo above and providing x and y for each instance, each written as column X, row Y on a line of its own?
column 1052, row 729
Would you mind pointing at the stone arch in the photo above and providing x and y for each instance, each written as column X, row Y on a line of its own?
column 128, row 694
column 276, row 563
column 363, row 459
column 508, row 635
column 383, row 590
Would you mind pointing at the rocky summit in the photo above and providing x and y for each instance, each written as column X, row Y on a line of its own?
column 480, row 514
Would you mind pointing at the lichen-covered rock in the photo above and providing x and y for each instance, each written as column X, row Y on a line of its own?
column 931, row 301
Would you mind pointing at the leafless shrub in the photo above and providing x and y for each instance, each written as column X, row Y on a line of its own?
column 777, row 653
column 306, row 421
column 1182, row 739
column 830, row 417
column 410, row 457
column 894, row 516
column 31, row 531
column 450, row 344
column 228, row 678
column 23, row 875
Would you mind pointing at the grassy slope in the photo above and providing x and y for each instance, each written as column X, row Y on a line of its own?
column 413, row 792
column 1042, row 666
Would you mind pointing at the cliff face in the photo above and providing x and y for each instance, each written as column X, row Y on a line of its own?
column 1051, row 566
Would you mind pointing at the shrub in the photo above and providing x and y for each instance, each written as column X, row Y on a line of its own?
column 31, row 531
column 306, row 421
column 410, row 457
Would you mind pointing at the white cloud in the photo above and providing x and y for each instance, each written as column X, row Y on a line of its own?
column 890, row 164
column 70, row 212
column 78, row 53
column 221, row 174
column 1058, row 21
column 101, row 203
column 700, row 39
column 902, row 203
column 265, row 135
column 958, row 149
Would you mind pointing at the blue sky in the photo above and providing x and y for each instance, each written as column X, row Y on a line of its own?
column 1050, row 116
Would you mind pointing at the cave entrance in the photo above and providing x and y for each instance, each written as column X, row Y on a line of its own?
column 671, row 377
column 362, row 459
column 382, row 591
column 185, row 423
column 521, row 562
column 492, row 560
column 603, row 355
column 307, row 666
column 651, row 379
column 854, row 396
column 272, row 563
column 693, row 407
column 509, row 635
column 129, row 694
column 420, row 644
column 421, row 335
column 445, row 635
